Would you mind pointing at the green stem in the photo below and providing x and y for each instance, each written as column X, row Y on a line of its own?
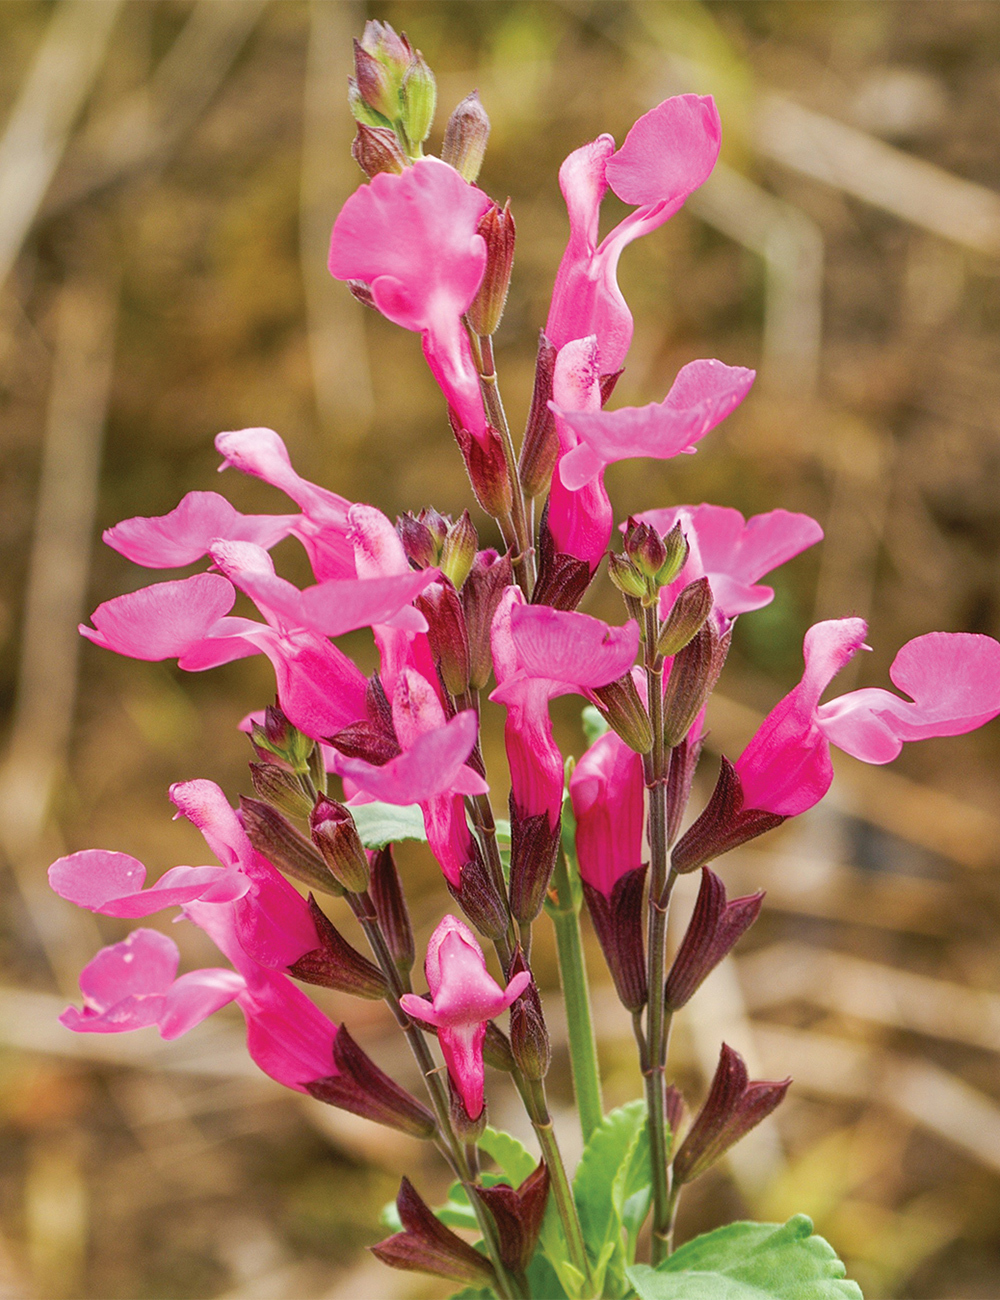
column 576, row 997
column 533, row 1095
column 655, row 771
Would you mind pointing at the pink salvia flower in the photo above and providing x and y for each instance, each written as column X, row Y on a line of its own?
column 668, row 153
column 607, row 790
column 953, row 677
column 702, row 395
column 731, row 552
column 134, row 983
column 464, row 997
column 580, row 520
column 413, row 239
column 111, row 883
column 322, row 526
column 163, row 621
column 183, row 536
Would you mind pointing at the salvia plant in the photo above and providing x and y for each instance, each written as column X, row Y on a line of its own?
column 424, row 246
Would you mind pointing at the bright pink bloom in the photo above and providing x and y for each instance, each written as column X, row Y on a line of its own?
column 111, row 883
column 701, row 396
column 607, row 789
column 322, row 527
column 954, row 679
column 413, row 239
column 183, row 536
column 731, row 552
column 539, row 653
column 465, row 996
column 579, row 520
column 669, row 152
column 134, row 983
column 272, row 920
column 164, row 621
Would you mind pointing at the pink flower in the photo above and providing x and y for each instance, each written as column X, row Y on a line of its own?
column 669, row 152
column 731, row 552
column 271, row 920
column 111, row 883
column 465, row 996
column 701, row 396
column 134, row 983
column 607, row 789
column 413, row 239
column 321, row 528
column 580, row 520
column 183, row 536
column 954, row 681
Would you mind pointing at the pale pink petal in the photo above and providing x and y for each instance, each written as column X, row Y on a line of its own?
column 143, row 966
column 703, row 394
column 164, row 621
column 182, row 536
column 111, row 883
column 195, row 996
column 333, row 608
column 669, row 152
column 428, row 768
column 447, row 826
column 419, row 1009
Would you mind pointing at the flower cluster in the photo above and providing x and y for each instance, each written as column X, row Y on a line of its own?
column 424, row 246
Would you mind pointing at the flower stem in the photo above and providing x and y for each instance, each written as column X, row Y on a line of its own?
column 655, row 767
column 576, row 997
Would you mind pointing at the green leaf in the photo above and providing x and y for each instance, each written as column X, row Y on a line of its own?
column 543, row 1279
column 389, row 1217
column 749, row 1261
column 512, row 1156
column 380, row 824
column 594, row 723
column 503, row 832
column 607, row 1175
column 470, row 1293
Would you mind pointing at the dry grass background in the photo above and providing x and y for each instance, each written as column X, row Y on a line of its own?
column 168, row 175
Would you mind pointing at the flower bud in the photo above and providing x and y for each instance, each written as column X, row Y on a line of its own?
column 465, row 137
column 690, row 610
column 459, row 550
column 497, row 1051
column 675, row 545
column 618, row 923
column 734, row 1106
column 541, row 445
column 277, row 736
column 715, row 927
column 675, row 1108
column 488, row 578
column 441, row 606
column 518, row 1215
column 336, row 837
column 284, row 847
column 497, row 227
column 477, row 895
column 529, row 1039
column 390, row 47
column 280, row 788
column 377, row 87
column 626, row 577
column 427, row 1246
column 680, row 778
column 390, row 907
column 418, row 95
column 723, row 825
column 486, row 466
column 693, row 675
column 359, row 1086
column 645, row 548
column 562, row 579
column 621, row 706
column 335, row 964
column 375, row 149
column 421, row 546
column 360, row 110
column 534, row 844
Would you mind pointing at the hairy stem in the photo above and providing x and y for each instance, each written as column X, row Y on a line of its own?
column 576, row 998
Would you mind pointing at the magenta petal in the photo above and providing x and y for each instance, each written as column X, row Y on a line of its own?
column 429, row 767
column 669, row 152
column 288, row 1036
column 419, row 1008
column 94, row 877
column 183, row 536
column 570, row 647
column 333, row 608
column 131, row 1012
column 143, row 965
column 607, row 789
column 462, row 1049
column 164, row 621
column 703, row 394
column 195, row 996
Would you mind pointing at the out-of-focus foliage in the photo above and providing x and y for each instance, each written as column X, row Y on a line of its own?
column 142, row 1181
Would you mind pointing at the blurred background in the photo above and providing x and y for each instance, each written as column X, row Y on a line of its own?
column 169, row 172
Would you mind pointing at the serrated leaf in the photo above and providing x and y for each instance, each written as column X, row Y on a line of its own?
column 512, row 1156
column 594, row 723
column 749, row 1261
column 633, row 1188
column 600, row 1188
column 380, row 824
